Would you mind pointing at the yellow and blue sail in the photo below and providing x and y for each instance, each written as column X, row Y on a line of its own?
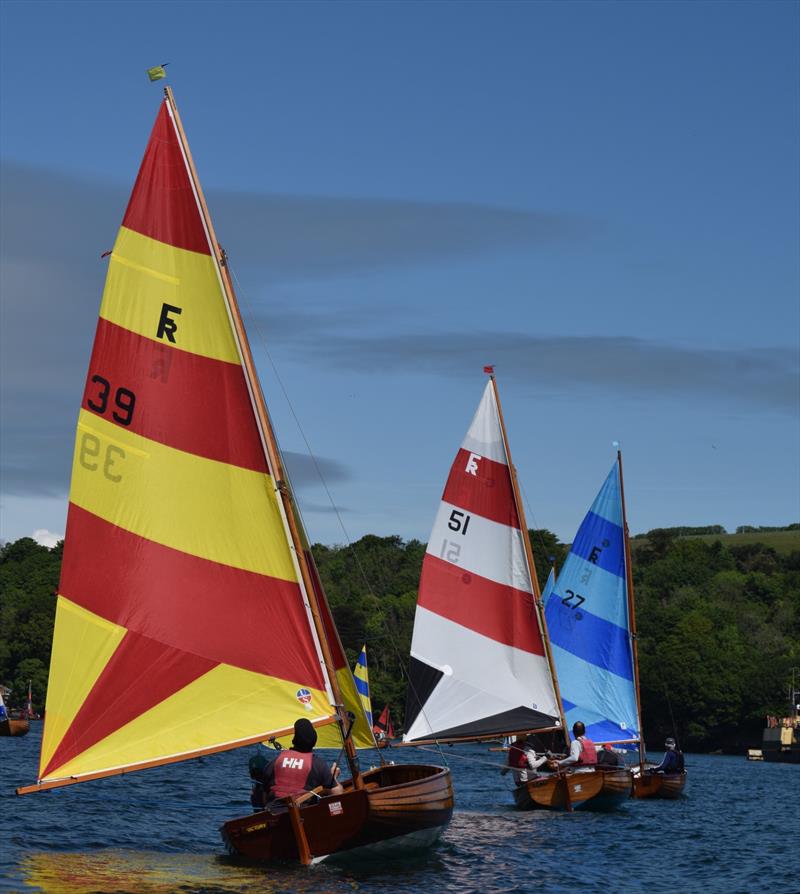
column 361, row 676
column 589, row 624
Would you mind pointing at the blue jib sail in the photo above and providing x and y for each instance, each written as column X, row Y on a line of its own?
column 589, row 625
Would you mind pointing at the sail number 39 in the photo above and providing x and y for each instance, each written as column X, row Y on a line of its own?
column 124, row 401
column 90, row 456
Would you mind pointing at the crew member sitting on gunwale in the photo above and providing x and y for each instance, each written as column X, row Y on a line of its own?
column 295, row 770
column 582, row 751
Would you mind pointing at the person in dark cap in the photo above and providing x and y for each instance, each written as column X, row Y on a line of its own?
column 673, row 758
column 294, row 770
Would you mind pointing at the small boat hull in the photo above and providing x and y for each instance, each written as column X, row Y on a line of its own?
column 10, row 727
column 598, row 789
column 401, row 804
column 659, row 785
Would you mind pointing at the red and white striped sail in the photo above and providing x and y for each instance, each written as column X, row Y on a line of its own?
column 478, row 663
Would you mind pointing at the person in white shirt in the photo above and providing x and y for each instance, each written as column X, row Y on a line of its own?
column 582, row 752
column 523, row 760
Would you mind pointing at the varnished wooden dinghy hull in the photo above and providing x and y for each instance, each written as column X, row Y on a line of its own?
column 659, row 785
column 400, row 804
column 599, row 789
column 14, row 727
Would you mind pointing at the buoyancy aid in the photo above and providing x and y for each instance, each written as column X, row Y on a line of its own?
column 517, row 757
column 588, row 752
column 292, row 769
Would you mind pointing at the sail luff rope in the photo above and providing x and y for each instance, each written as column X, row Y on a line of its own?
column 241, row 294
column 529, row 513
column 631, row 608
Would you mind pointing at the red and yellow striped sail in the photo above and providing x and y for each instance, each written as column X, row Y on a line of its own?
column 361, row 730
column 180, row 625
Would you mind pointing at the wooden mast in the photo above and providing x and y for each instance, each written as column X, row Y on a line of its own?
column 270, row 444
column 631, row 610
column 526, row 540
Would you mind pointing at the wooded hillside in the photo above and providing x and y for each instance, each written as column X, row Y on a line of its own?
column 719, row 625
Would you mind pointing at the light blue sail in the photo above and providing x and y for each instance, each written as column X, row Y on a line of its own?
column 589, row 625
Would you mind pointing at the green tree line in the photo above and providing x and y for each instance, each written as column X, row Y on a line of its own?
column 718, row 626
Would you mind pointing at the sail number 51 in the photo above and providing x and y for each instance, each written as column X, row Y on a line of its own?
column 459, row 521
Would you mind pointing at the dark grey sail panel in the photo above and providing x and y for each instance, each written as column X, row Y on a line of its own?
column 422, row 680
column 517, row 720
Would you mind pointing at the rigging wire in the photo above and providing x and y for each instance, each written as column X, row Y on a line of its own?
column 263, row 344
column 537, row 530
column 671, row 715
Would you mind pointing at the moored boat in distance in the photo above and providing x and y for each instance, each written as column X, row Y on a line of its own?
column 186, row 570
column 383, row 728
column 780, row 740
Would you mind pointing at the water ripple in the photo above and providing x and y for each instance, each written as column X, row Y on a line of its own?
column 157, row 832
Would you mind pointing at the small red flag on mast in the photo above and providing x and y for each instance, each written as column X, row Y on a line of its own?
column 489, row 369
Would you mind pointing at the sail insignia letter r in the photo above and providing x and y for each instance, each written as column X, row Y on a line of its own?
column 472, row 464
column 166, row 325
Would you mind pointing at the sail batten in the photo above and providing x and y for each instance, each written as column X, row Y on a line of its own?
column 587, row 611
column 479, row 663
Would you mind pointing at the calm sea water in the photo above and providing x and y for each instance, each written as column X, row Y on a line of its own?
column 734, row 832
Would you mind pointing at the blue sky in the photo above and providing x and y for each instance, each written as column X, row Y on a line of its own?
column 600, row 198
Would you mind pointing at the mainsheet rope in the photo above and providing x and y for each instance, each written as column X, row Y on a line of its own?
column 241, row 296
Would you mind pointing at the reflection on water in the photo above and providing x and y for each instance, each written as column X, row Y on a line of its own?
column 146, row 872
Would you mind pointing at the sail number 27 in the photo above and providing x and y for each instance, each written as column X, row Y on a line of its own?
column 573, row 600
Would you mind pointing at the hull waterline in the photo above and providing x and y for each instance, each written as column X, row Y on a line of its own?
column 588, row 790
column 14, row 727
column 400, row 806
column 659, row 785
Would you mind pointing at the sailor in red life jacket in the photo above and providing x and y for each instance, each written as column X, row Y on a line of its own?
column 296, row 770
column 582, row 751
column 522, row 760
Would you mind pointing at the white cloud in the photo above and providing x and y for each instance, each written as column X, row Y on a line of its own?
column 46, row 538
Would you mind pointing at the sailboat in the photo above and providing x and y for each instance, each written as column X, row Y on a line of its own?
column 480, row 666
column 9, row 727
column 591, row 619
column 186, row 571
column 361, row 677
column 383, row 729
